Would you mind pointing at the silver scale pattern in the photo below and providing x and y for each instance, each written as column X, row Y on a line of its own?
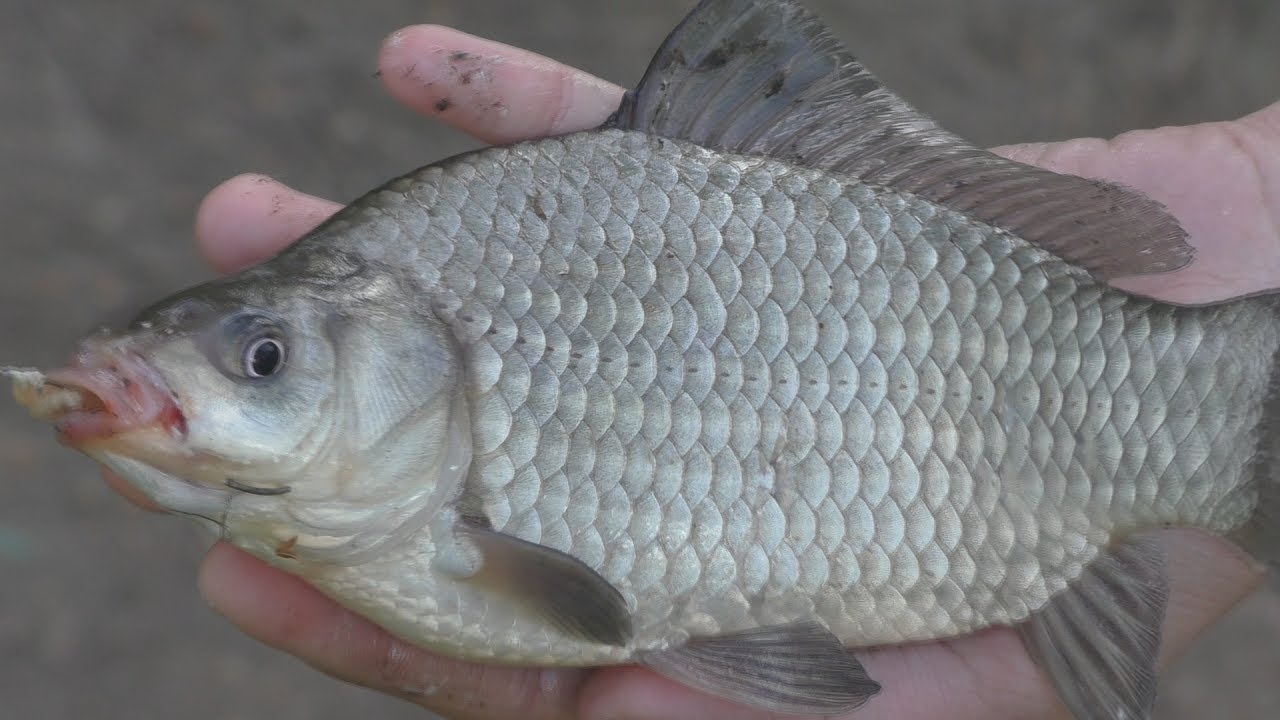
column 747, row 393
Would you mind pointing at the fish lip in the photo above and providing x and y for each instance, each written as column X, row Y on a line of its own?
column 119, row 392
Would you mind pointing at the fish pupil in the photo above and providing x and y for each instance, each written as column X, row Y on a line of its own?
column 265, row 356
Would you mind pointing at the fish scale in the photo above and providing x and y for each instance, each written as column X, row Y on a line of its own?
column 766, row 369
column 814, row 396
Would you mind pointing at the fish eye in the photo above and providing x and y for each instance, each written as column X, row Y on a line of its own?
column 248, row 345
column 263, row 357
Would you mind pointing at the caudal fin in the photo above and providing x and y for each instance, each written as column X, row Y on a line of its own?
column 1260, row 536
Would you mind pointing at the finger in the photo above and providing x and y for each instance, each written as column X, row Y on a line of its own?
column 973, row 678
column 1208, row 576
column 286, row 613
column 467, row 82
column 249, row 218
column 1232, row 221
column 493, row 91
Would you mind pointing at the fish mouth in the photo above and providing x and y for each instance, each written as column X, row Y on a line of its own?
column 100, row 395
column 114, row 406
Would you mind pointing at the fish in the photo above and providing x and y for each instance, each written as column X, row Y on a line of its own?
column 768, row 369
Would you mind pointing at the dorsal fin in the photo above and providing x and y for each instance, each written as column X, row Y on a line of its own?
column 764, row 77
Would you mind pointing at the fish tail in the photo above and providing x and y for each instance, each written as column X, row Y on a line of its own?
column 1260, row 535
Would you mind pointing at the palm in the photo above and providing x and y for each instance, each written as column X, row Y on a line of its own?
column 1222, row 181
column 1214, row 179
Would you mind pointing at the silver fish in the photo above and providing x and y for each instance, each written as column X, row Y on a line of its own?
column 768, row 367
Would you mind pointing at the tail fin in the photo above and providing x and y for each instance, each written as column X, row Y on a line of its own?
column 1260, row 536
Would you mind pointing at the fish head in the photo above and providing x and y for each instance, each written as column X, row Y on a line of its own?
column 321, row 415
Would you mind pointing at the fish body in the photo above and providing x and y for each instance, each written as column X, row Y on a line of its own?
column 748, row 393
column 697, row 389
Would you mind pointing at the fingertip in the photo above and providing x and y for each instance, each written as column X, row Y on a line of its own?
column 1208, row 576
column 631, row 692
column 490, row 90
column 390, row 47
column 268, row 604
column 283, row 611
column 225, row 567
column 251, row 217
column 213, row 574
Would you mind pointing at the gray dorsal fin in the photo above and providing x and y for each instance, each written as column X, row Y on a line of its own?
column 764, row 77
column 1099, row 641
column 550, row 584
column 800, row 668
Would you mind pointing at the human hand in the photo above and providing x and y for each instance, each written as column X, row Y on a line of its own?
column 1222, row 180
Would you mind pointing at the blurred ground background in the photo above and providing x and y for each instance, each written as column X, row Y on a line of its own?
column 116, row 117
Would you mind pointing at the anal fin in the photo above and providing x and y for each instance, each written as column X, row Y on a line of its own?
column 1099, row 641
column 800, row 668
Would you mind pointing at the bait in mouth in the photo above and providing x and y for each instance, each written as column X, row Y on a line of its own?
column 96, row 397
column 767, row 369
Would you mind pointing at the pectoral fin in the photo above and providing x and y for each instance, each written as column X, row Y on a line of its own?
column 550, row 584
column 800, row 668
column 1099, row 641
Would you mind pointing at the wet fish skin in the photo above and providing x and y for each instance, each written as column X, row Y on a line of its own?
column 848, row 404
column 720, row 393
